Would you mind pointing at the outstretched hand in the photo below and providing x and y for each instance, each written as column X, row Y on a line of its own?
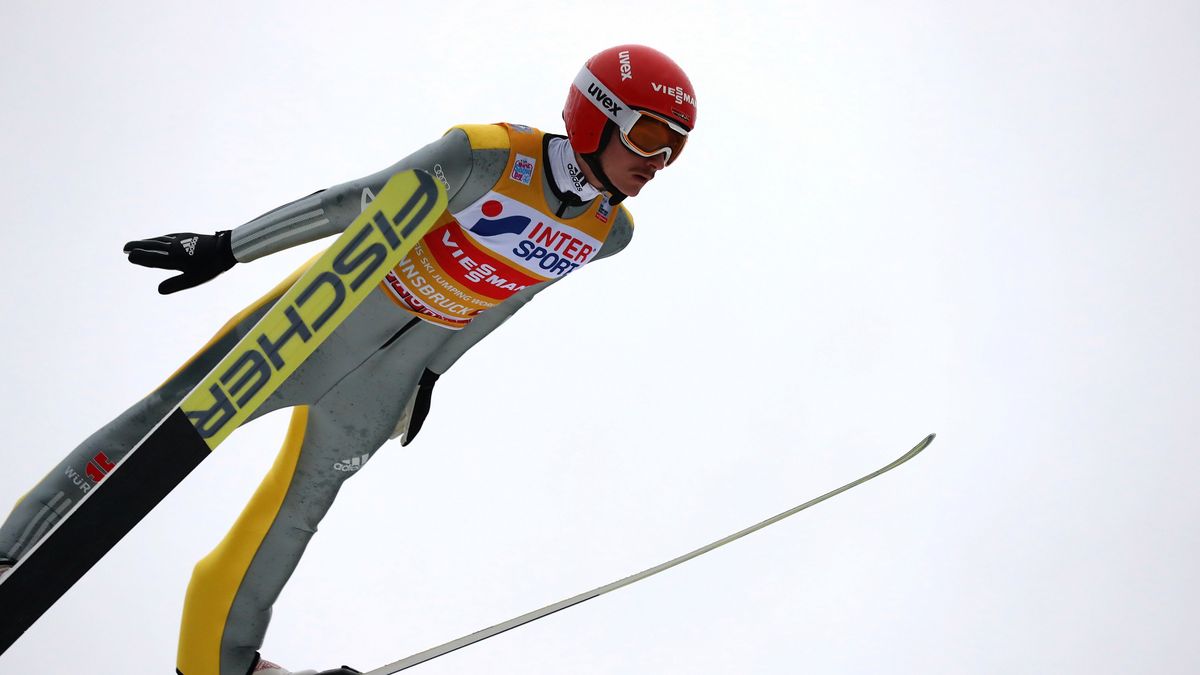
column 200, row 257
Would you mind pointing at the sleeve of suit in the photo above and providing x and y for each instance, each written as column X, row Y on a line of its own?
column 330, row 211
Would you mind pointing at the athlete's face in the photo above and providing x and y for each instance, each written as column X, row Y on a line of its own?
column 627, row 170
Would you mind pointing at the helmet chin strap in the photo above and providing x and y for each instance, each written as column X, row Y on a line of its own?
column 593, row 162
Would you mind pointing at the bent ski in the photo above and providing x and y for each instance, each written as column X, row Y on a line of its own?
column 295, row 326
column 466, row 640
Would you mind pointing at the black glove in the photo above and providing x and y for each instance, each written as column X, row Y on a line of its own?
column 421, row 405
column 200, row 257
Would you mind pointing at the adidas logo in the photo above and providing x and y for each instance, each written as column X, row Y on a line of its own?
column 189, row 245
column 351, row 464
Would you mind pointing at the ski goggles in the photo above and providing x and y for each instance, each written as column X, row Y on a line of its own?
column 645, row 133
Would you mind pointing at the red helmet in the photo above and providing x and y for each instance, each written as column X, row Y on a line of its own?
column 642, row 79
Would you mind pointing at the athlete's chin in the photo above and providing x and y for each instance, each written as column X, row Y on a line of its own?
column 633, row 185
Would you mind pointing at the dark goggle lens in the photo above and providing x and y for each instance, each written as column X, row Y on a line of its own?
column 651, row 135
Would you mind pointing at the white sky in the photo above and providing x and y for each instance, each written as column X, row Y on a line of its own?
column 971, row 218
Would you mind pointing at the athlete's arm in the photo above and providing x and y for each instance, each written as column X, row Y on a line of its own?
column 331, row 211
column 201, row 257
column 482, row 326
column 456, row 346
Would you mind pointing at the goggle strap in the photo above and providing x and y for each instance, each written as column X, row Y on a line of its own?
column 674, row 127
column 595, row 91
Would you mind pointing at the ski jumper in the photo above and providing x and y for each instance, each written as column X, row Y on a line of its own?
column 520, row 217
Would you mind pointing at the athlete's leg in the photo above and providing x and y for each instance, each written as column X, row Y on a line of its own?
column 231, row 592
column 88, row 463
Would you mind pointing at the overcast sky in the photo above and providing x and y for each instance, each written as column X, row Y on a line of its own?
column 976, row 219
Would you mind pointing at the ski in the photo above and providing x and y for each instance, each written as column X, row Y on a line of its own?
column 478, row 636
column 378, row 239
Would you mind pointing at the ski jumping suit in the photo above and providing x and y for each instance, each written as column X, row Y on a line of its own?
column 520, row 216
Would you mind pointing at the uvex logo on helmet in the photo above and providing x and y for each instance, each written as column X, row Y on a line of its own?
column 604, row 99
column 626, row 67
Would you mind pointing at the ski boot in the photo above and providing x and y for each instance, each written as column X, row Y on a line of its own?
column 265, row 667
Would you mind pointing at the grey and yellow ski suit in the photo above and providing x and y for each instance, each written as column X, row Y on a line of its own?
column 520, row 217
